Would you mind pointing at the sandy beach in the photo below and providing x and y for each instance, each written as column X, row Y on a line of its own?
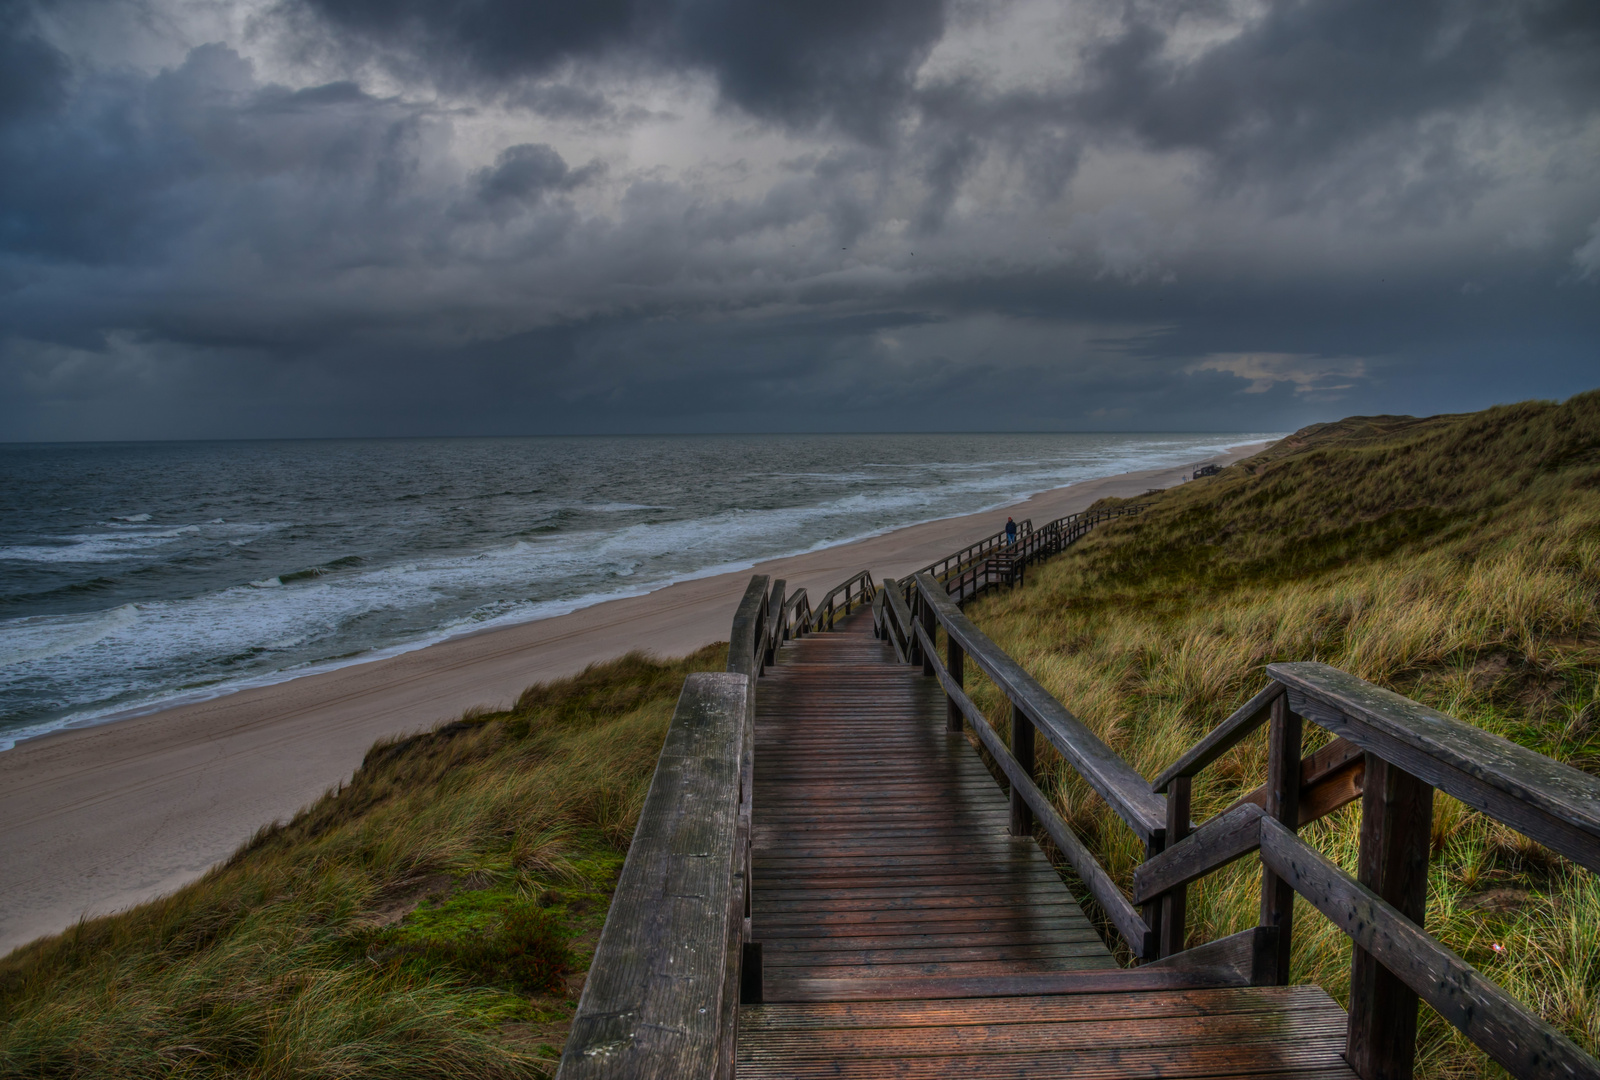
column 102, row 818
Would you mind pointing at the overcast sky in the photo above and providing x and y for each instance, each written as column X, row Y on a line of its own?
column 225, row 218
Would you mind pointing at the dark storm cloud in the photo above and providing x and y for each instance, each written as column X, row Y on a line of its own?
column 1308, row 214
column 526, row 172
column 1360, row 104
column 797, row 62
column 33, row 73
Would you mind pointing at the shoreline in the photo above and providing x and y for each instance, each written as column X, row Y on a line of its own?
column 74, row 722
column 117, row 812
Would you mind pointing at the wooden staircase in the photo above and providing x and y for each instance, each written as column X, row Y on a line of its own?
column 826, row 880
column 907, row 933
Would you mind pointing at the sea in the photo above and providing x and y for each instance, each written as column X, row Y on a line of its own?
column 134, row 576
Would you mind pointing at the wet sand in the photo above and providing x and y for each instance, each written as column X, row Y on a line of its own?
column 102, row 818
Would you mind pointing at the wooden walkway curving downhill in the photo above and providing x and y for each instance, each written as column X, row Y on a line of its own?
column 906, row 933
column 826, row 881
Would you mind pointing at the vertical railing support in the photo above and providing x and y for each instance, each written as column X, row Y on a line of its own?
column 1175, row 904
column 913, row 642
column 1283, row 804
column 1396, row 829
column 1022, row 750
column 955, row 662
column 931, row 624
column 772, row 619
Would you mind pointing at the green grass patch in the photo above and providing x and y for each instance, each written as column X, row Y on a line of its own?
column 432, row 918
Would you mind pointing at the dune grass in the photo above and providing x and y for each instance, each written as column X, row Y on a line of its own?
column 429, row 919
column 1454, row 559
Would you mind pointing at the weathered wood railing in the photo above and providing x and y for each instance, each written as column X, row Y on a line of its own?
column 1389, row 751
column 1033, row 710
column 842, row 597
column 662, row 994
column 993, row 561
column 978, row 549
column 1406, row 750
column 677, row 956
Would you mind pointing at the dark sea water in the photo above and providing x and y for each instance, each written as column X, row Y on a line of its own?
column 142, row 573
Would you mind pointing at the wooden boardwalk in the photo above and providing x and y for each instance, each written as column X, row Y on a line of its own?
column 893, row 906
column 823, row 881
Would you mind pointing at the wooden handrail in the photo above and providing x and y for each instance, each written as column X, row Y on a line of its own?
column 993, row 561
column 858, row 588
column 665, row 975
column 897, row 620
column 1390, row 751
column 1555, row 804
column 1134, row 930
column 1113, row 779
column 1504, row 1028
column 941, row 567
column 1224, row 737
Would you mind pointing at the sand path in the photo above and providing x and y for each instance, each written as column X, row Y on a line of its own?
column 102, row 818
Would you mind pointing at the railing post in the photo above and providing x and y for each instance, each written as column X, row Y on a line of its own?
column 955, row 662
column 1174, row 905
column 914, row 643
column 1283, row 804
column 1022, row 750
column 1396, row 829
column 931, row 624
column 774, row 604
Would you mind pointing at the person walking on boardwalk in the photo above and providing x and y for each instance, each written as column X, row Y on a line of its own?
column 1011, row 531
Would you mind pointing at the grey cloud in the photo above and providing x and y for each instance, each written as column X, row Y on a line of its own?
column 797, row 62
column 527, row 171
column 33, row 73
column 1586, row 256
column 1340, row 96
column 203, row 228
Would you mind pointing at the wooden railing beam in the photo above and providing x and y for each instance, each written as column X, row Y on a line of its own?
column 664, row 982
column 1112, row 778
column 1224, row 737
column 1175, row 901
column 1553, row 803
column 1134, row 930
column 1519, row 1039
column 1209, row 848
column 1283, row 805
column 1396, row 828
column 1022, row 750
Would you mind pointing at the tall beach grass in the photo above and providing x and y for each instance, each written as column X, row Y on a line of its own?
column 1452, row 559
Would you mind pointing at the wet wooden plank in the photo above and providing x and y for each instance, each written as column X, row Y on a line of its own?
column 881, row 844
column 1261, row 1032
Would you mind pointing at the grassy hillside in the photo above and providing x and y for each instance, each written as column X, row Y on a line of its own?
column 1455, row 559
column 424, row 921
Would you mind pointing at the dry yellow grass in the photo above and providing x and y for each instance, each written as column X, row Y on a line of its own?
column 1453, row 559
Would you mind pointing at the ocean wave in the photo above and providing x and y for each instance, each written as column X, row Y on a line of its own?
column 43, row 637
column 263, row 627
